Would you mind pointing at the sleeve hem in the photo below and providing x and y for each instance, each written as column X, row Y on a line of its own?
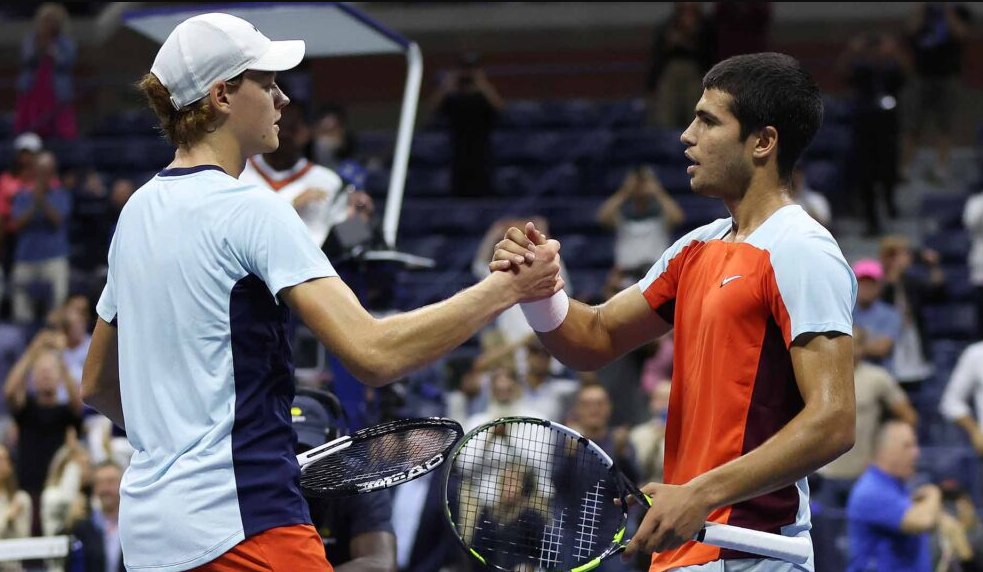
column 299, row 278
column 821, row 328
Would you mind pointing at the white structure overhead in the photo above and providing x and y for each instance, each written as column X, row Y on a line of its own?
column 330, row 29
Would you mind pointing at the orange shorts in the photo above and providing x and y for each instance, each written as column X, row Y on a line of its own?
column 295, row 548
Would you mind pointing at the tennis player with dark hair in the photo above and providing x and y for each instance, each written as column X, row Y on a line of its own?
column 190, row 354
column 760, row 302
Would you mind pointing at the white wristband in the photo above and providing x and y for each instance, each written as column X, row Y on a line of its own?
column 546, row 315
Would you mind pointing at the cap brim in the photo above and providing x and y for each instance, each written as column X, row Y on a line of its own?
column 281, row 56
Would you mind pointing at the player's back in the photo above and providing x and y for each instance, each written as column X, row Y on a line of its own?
column 205, row 373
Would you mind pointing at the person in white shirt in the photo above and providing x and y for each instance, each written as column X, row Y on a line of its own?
column 814, row 202
column 315, row 192
column 973, row 221
column 190, row 355
column 965, row 387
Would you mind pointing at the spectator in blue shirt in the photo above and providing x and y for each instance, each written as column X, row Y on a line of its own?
column 880, row 320
column 40, row 219
column 357, row 531
column 888, row 526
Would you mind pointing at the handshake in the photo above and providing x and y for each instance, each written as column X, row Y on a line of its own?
column 531, row 264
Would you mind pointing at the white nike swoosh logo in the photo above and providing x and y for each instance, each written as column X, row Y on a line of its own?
column 726, row 281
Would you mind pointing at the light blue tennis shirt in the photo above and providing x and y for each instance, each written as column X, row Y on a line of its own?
column 205, row 366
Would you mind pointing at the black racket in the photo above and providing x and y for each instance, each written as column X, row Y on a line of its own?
column 529, row 494
column 377, row 457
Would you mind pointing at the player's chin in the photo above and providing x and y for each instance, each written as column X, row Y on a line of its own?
column 271, row 143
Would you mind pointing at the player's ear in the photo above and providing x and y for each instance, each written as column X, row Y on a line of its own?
column 765, row 143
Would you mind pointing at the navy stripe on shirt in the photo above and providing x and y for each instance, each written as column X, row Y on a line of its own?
column 179, row 171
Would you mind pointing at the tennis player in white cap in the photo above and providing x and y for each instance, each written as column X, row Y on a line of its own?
column 189, row 354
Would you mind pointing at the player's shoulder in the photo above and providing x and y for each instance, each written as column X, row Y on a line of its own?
column 702, row 234
column 792, row 234
column 973, row 352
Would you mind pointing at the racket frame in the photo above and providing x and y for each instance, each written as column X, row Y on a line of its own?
column 312, row 456
column 797, row 550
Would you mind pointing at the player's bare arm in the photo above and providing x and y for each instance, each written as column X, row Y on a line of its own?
column 822, row 431
column 100, row 375
column 378, row 351
column 371, row 552
column 590, row 337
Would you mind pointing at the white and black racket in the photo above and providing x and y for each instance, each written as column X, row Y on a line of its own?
column 529, row 494
column 377, row 457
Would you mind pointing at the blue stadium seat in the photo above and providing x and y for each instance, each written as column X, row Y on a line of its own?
column 623, row 113
column 831, row 142
column 573, row 216
column 431, row 149
column 958, row 286
column 421, row 182
column 527, row 147
column 378, row 144
column 522, row 115
column 952, row 245
column 415, row 289
column 587, row 283
column 428, row 246
column 570, row 113
column 825, row 177
column 7, row 125
column 594, row 250
column 6, row 154
column 951, row 321
column 112, row 153
column 699, row 211
column 837, row 110
column 613, row 178
column 72, row 154
column 450, row 252
column 647, row 146
column 138, row 122
column 674, row 178
column 948, row 462
column 584, row 146
column 514, row 181
column 562, row 181
column 377, row 182
column 945, row 210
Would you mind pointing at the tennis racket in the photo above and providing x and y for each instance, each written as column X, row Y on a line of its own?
column 377, row 457
column 528, row 494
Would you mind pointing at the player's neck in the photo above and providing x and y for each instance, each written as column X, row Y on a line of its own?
column 760, row 201
column 214, row 149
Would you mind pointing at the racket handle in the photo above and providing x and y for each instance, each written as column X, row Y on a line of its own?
column 796, row 550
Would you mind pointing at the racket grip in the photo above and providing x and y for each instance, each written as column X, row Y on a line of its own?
column 796, row 550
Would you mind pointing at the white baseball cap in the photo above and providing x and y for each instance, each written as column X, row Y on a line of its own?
column 28, row 142
column 215, row 47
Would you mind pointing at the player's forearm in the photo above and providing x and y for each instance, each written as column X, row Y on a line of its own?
column 591, row 337
column 371, row 552
column 402, row 343
column 368, row 564
column 109, row 403
column 816, row 436
column 968, row 425
column 581, row 342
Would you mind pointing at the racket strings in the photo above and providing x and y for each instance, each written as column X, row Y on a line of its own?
column 375, row 457
column 532, row 495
